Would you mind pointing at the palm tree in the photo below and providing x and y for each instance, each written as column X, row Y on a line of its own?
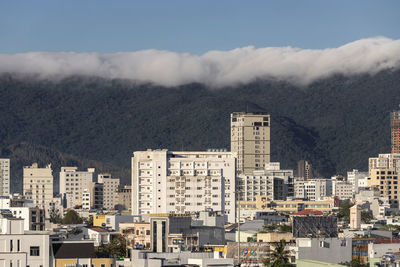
column 279, row 257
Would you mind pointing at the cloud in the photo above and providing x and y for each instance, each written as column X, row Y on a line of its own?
column 214, row 68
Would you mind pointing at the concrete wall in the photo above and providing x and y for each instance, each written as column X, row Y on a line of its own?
column 332, row 250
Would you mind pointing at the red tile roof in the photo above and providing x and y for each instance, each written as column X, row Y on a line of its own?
column 307, row 212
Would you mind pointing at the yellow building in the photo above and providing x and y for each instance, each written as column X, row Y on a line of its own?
column 262, row 203
column 99, row 220
column 93, row 262
column 274, row 237
column 386, row 180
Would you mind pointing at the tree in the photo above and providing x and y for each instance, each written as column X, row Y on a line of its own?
column 344, row 211
column 55, row 215
column 117, row 247
column 285, row 228
column 366, row 216
column 71, row 217
column 279, row 257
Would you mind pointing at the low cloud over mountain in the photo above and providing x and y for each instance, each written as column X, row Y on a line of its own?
column 214, row 68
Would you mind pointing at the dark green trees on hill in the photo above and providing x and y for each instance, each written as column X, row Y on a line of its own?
column 335, row 123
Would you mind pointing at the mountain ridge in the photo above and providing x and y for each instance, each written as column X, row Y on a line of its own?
column 335, row 123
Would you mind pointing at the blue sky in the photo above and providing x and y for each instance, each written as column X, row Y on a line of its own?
column 190, row 26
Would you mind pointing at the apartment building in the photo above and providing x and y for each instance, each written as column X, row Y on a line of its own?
column 395, row 130
column 34, row 218
column 272, row 182
column 183, row 182
column 4, row 177
column 385, row 161
column 357, row 179
column 304, row 170
column 386, row 181
column 73, row 183
column 123, row 198
column 22, row 248
column 342, row 189
column 250, row 140
column 110, row 186
column 262, row 203
column 86, row 199
column 315, row 189
column 38, row 185
column 95, row 195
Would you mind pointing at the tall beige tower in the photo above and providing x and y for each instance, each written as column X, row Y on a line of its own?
column 355, row 217
column 38, row 184
column 4, row 177
column 395, row 130
column 251, row 139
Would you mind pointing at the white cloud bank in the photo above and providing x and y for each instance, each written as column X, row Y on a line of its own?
column 215, row 68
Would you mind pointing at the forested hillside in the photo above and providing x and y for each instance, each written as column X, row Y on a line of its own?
column 335, row 123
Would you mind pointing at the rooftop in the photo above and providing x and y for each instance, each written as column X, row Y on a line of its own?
column 308, row 212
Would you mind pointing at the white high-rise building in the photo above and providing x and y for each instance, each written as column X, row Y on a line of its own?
column 110, row 186
column 250, row 140
column 4, row 177
column 272, row 182
column 312, row 190
column 86, row 199
column 183, row 182
column 73, row 183
column 38, row 185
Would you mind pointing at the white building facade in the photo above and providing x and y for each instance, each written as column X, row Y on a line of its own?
column 19, row 248
column 183, row 182
column 312, row 190
column 72, row 184
column 357, row 179
column 4, row 177
column 272, row 182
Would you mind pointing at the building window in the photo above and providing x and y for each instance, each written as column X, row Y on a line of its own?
column 102, row 265
column 18, row 245
column 34, row 251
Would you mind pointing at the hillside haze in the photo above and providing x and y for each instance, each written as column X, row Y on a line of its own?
column 336, row 123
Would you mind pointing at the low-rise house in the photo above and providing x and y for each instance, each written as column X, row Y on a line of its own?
column 99, row 235
column 113, row 221
column 137, row 234
column 77, row 253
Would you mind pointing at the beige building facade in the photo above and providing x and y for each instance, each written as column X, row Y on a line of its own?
column 386, row 182
column 123, row 198
column 38, row 185
column 110, row 186
column 4, row 177
column 250, row 140
column 72, row 184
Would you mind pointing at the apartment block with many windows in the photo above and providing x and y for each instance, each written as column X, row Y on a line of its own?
column 73, row 183
column 183, row 182
column 4, row 177
column 38, row 185
column 250, row 140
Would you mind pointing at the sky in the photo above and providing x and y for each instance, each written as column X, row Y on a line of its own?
column 190, row 26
